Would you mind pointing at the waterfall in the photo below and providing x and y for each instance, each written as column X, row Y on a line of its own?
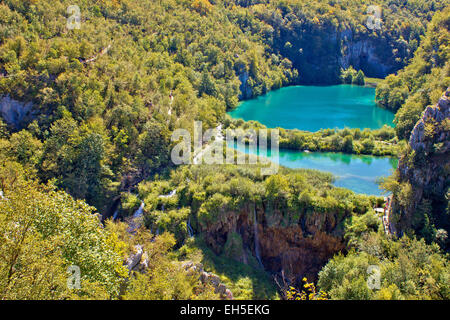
column 189, row 228
column 170, row 195
column 116, row 213
column 139, row 211
column 255, row 227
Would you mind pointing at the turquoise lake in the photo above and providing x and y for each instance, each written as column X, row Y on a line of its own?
column 355, row 172
column 358, row 173
column 312, row 108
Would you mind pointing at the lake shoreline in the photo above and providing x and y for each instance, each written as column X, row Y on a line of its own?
column 358, row 173
column 356, row 156
column 314, row 108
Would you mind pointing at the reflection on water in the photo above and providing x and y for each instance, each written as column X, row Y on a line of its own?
column 355, row 172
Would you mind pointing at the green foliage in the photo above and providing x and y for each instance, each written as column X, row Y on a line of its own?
column 43, row 232
column 308, row 292
column 317, row 36
column 233, row 248
column 164, row 279
column 348, row 74
column 129, row 203
column 211, row 209
column 107, row 97
column 359, row 78
column 409, row 269
column 172, row 221
column 227, row 190
column 358, row 227
column 244, row 281
column 277, row 187
column 422, row 82
column 379, row 142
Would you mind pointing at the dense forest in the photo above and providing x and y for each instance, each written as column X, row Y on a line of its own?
column 86, row 121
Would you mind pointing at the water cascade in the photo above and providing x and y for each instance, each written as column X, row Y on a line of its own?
column 189, row 228
column 170, row 195
column 255, row 227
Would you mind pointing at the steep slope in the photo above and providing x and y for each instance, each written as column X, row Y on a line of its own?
column 422, row 82
column 323, row 37
column 421, row 197
column 104, row 98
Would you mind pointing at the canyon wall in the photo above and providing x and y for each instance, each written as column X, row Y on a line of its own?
column 285, row 243
column 424, row 173
column 15, row 113
column 320, row 54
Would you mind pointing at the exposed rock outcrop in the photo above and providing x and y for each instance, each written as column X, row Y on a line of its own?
column 245, row 88
column 366, row 54
column 426, row 168
column 15, row 113
column 438, row 117
column 137, row 261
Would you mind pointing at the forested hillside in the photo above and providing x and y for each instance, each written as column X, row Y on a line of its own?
column 422, row 82
column 107, row 86
column 420, row 94
column 323, row 37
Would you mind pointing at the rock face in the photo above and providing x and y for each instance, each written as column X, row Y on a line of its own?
column 138, row 261
column 295, row 247
column 319, row 52
column 426, row 167
column 438, row 117
column 208, row 278
column 15, row 113
column 245, row 88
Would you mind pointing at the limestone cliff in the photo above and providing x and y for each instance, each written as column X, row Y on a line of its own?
column 319, row 55
column 368, row 54
column 424, row 170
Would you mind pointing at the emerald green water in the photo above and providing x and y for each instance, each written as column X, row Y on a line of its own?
column 358, row 173
column 355, row 172
column 312, row 108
